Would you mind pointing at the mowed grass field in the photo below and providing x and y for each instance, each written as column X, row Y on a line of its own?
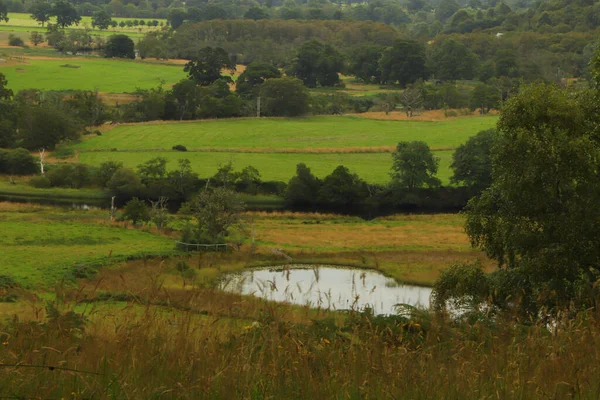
column 40, row 246
column 113, row 76
column 372, row 167
column 281, row 134
column 275, row 146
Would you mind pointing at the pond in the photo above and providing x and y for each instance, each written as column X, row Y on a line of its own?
column 328, row 287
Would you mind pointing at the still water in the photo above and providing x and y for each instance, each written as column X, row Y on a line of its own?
column 327, row 287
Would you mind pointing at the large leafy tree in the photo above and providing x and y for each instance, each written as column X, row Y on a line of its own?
column 303, row 189
column 41, row 11
column 120, row 46
column 539, row 219
column 452, row 60
column 414, row 166
column 248, row 83
column 284, row 97
column 45, row 125
column 364, row 63
column 317, row 64
column 101, row 20
column 206, row 67
column 342, row 188
column 403, row 63
column 66, row 15
column 472, row 161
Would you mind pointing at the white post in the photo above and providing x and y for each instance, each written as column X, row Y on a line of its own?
column 42, row 159
column 112, row 209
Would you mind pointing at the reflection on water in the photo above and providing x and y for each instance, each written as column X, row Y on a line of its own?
column 327, row 287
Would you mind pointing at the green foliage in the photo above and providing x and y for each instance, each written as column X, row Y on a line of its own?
column 119, row 46
column 485, row 97
column 205, row 68
column 124, row 182
column 217, row 213
column 105, row 172
column 66, row 15
column 414, row 166
column 40, row 182
column 45, row 125
column 17, row 162
column 364, row 63
column 284, row 97
column 403, row 63
column 342, row 188
column 303, row 188
column 176, row 17
column 41, row 11
column 101, row 20
column 461, row 287
column 179, row 147
column 249, row 81
column 452, row 60
column 136, row 211
column 36, row 38
column 538, row 218
column 472, row 161
column 3, row 12
column 316, row 64
column 69, row 175
column 14, row 40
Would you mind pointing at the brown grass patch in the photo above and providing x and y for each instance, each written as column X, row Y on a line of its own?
column 428, row 115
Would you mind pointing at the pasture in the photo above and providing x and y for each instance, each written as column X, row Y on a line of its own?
column 321, row 134
column 113, row 76
column 372, row 167
column 22, row 22
column 276, row 145
column 42, row 245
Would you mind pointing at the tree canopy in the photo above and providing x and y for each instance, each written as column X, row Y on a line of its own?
column 403, row 63
column 414, row 166
column 119, row 46
column 205, row 68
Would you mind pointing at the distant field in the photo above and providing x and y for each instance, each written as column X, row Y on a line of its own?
column 275, row 146
column 41, row 246
column 114, row 76
column 372, row 167
column 332, row 133
column 22, row 22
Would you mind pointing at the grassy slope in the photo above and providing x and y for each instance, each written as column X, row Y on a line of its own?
column 40, row 246
column 298, row 133
column 372, row 167
column 116, row 76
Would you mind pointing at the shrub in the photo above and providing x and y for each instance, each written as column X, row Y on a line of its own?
column 40, row 182
column 68, row 175
column 180, row 147
column 14, row 40
column 136, row 210
column 17, row 162
column 450, row 114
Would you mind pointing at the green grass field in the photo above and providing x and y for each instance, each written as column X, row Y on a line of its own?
column 113, row 76
column 275, row 146
column 372, row 167
column 332, row 133
column 40, row 246
column 22, row 22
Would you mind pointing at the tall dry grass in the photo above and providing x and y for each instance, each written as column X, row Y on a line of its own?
column 251, row 350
